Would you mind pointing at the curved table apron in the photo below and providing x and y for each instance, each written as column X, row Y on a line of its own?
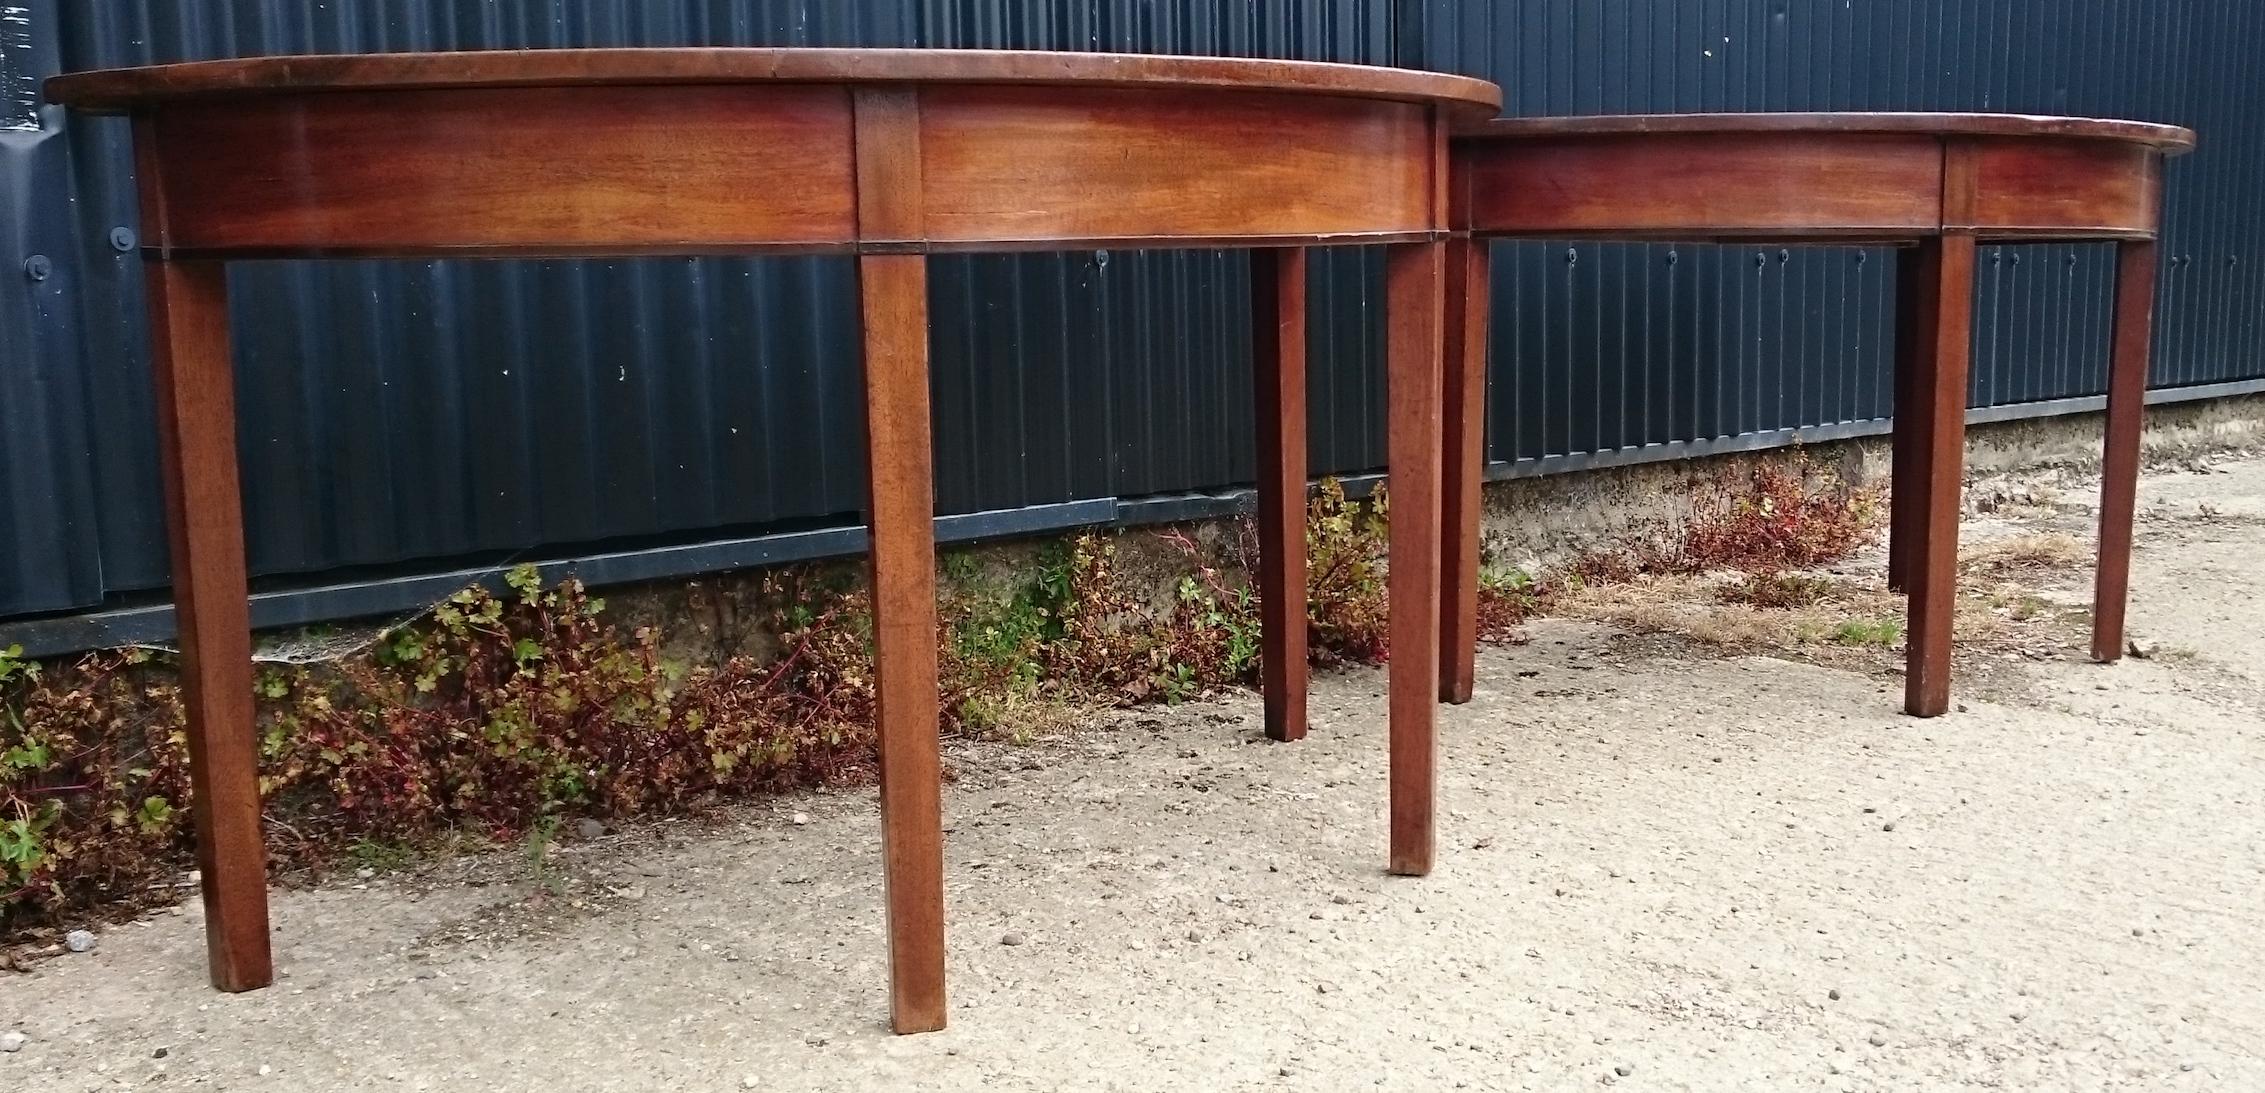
column 885, row 154
column 1943, row 182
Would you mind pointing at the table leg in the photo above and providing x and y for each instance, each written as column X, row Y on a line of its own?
column 1278, row 335
column 1413, row 310
column 1914, row 355
column 1464, row 463
column 894, row 294
column 1945, row 299
column 2127, row 409
column 196, row 427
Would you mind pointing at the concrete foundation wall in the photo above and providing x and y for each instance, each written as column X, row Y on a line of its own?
column 1535, row 522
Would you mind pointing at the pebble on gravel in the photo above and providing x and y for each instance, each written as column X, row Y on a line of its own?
column 79, row 941
column 1010, row 939
column 1833, row 994
column 591, row 829
column 12, row 1042
column 1624, row 1069
column 801, row 818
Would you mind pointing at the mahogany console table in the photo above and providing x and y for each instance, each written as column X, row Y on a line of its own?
column 888, row 155
column 1943, row 182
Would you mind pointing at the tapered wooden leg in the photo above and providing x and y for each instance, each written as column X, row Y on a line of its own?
column 1278, row 334
column 1914, row 355
column 1463, row 424
column 196, row 426
column 894, row 290
column 2127, row 405
column 1946, row 291
column 1414, row 303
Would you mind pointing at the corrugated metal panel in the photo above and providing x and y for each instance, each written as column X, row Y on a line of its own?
column 48, row 558
column 399, row 414
column 1602, row 347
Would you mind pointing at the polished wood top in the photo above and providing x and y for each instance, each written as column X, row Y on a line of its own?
column 2168, row 139
column 125, row 89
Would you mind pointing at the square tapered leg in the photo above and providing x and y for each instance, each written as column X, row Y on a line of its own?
column 1414, row 291
column 894, row 291
column 196, row 424
column 1945, row 288
column 1278, row 337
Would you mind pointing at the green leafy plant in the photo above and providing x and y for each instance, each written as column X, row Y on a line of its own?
column 1882, row 632
column 508, row 710
column 14, row 669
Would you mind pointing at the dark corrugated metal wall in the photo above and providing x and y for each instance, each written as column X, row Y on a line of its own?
column 401, row 411
column 47, row 497
column 395, row 414
column 1606, row 346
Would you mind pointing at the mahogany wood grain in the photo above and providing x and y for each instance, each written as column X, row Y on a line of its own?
column 524, row 171
column 196, row 436
column 1914, row 358
column 502, row 170
column 2060, row 188
column 1278, row 341
column 124, row 89
column 894, row 291
column 2169, row 138
column 1712, row 186
column 2127, row 411
column 1463, row 431
column 1413, row 303
column 1109, row 165
column 1946, row 287
column 890, row 191
column 1813, row 178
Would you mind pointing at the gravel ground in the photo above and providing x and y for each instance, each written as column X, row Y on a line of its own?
column 1663, row 866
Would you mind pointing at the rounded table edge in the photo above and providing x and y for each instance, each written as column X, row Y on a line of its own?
column 2167, row 139
column 123, row 90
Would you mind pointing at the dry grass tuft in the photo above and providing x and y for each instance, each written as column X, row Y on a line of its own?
column 2028, row 553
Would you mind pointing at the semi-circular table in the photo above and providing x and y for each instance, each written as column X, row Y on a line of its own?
column 889, row 155
column 1944, row 182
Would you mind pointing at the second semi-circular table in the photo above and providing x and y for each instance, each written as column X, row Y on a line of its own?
column 889, row 155
column 1942, row 182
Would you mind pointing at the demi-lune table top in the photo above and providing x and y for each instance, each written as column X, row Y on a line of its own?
column 123, row 89
column 678, row 151
column 2170, row 139
column 1838, row 177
